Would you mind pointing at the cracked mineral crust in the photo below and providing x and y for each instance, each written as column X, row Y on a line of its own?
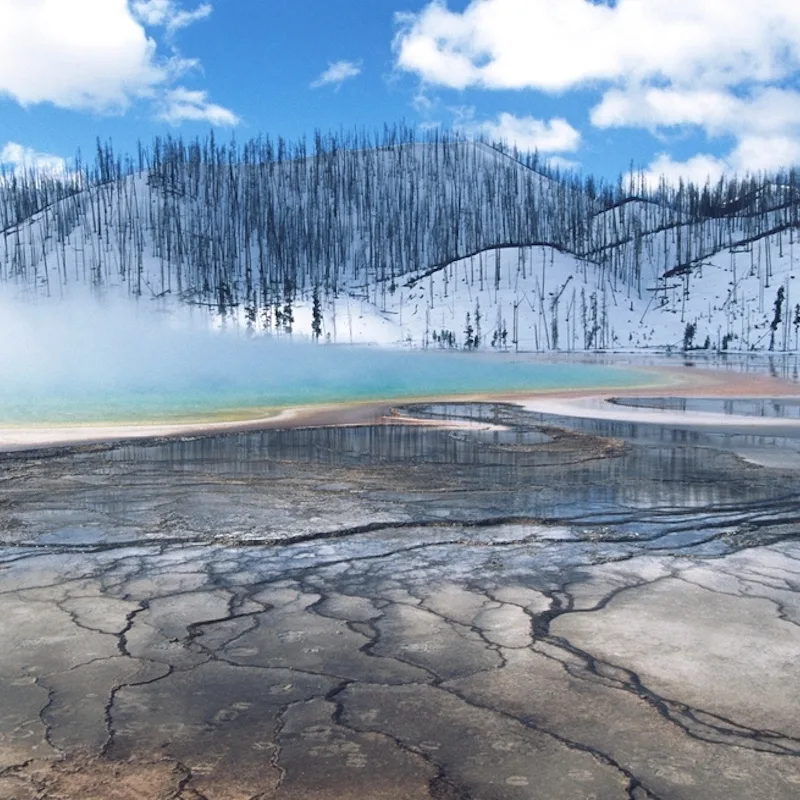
column 531, row 610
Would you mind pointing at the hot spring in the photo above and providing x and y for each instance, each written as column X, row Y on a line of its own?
column 68, row 363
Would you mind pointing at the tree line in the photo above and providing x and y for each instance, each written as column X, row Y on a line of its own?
column 252, row 225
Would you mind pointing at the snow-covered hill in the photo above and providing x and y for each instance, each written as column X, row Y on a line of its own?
column 433, row 243
column 547, row 300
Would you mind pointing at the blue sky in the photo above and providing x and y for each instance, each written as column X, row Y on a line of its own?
column 693, row 87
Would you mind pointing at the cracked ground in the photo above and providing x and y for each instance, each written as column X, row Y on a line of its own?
column 508, row 610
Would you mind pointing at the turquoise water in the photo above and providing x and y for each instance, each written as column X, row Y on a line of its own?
column 210, row 379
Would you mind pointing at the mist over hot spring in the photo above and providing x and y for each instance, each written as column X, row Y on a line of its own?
column 85, row 359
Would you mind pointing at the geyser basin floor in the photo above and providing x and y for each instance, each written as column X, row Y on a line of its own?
column 400, row 612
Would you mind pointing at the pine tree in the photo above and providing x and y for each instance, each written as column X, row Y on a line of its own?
column 316, row 315
column 288, row 314
column 688, row 335
column 796, row 323
column 777, row 317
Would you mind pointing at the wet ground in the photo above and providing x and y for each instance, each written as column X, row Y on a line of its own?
column 541, row 608
column 783, row 408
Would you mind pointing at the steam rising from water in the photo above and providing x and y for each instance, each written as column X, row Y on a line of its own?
column 86, row 360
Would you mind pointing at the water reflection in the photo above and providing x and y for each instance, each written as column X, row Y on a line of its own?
column 785, row 366
column 358, row 446
column 466, row 473
column 784, row 408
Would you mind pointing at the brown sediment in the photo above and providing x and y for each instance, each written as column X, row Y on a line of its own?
column 87, row 776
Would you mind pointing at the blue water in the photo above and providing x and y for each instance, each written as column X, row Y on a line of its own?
column 212, row 379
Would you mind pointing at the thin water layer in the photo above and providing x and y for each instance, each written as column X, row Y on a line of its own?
column 775, row 442
column 778, row 408
column 785, row 366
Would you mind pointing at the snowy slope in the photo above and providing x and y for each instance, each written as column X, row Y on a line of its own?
column 368, row 232
column 546, row 300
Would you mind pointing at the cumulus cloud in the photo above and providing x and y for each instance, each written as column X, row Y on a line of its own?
column 86, row 54
column 528, row 133
column 656, row 107
column 764, row 111
column 337, row 73
column 563, row 164
column 765, row 124
column 720, row 67
column 90, row 55
column 766, row 153
column 182, row 104
column 168, row 13
column 751, row 154
column 699, row 169
column 542, row 44
column 21, row 159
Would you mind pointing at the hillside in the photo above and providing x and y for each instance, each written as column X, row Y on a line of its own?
column 432, row 242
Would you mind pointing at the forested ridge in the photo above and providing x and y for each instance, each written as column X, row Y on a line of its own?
column 255, row 226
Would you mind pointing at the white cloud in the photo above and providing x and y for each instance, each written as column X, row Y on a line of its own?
column 764, row 111
column 429, row 44
column 528, row 133
column 554, row 46
column 422, row 102
column 722, row 67
column 765, row 123
column 166, row 13
column 90, row 55
column 87, row 54
column 182, row 104
column 754, row 153
column 337, row 73
column 22, row 159
column 656, row 107
column 563, row 164
column 698, row 170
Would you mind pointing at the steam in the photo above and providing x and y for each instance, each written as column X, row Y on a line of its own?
column 80, row 357
column 85, row 359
